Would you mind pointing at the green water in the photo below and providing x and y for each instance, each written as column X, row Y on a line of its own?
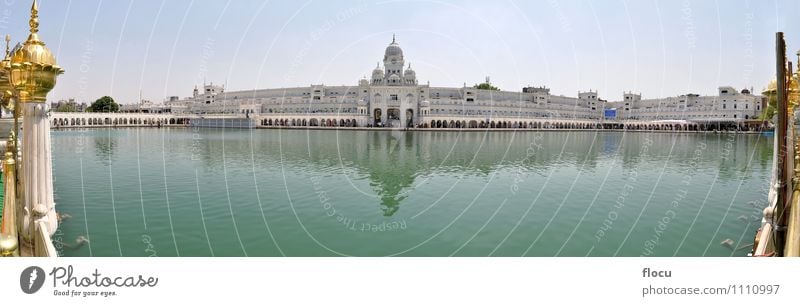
column 213, row 192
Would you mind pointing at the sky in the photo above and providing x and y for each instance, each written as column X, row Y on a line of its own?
column 161, row 48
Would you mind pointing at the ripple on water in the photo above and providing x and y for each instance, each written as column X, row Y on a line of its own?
column 467, row 194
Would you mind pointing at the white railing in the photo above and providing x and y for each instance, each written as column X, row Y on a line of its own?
column 43, row 245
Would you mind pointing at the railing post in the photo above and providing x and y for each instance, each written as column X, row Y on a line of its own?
column 792, row 248
column 40, row 212
column 9, row 240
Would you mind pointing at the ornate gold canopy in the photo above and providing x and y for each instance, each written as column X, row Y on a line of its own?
column 793, row 90
column 33, row 67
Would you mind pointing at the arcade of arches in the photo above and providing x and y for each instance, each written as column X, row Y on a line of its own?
column 73, row 120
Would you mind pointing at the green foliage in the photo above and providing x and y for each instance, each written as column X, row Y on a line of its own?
column 105, row 104
column 768, row 113
column 772, row 106
column 486, row 86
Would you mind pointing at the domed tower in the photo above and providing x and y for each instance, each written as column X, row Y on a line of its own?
column 393, row 61
column 377, row 75
column 410, row 77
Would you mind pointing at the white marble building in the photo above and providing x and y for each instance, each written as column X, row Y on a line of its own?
column 393, row 97
column 728, row 105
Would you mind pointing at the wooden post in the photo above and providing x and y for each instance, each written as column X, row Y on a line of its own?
column 781, row 131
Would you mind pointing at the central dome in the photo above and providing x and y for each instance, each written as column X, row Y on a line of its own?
column 393, row 49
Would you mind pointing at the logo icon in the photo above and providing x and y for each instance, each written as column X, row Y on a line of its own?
column 31, row 279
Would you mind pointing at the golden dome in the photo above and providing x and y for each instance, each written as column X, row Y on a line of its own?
column 33, row 66
column 793, row 92
column 771, row 89
column 5, row 76
column 33, row 50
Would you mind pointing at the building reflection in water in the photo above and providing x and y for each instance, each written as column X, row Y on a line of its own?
column 396, row 162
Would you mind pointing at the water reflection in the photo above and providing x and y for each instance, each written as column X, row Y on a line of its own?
column 393, row 161
column 105, row 148
column 219, row 185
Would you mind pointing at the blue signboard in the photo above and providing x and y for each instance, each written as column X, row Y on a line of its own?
column 611, row 113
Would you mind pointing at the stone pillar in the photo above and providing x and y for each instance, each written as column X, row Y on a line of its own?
column 37, row 169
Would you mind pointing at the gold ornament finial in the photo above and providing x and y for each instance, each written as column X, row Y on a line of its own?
column 8, row 41
column 34, row 22
column 33, row 66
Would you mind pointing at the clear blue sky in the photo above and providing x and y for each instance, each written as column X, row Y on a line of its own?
column 165, row 47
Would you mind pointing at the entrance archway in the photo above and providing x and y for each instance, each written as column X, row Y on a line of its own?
column 377, row 114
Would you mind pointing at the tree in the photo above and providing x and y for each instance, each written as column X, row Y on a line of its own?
column 772, row 104
column 486, row 86
column 105, row 104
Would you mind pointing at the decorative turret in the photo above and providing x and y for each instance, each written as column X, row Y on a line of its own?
column 377, row 75
column 33, row 74
column 33, row 66
column 27, row 74
column 5, row 67
column 410, row 76
column 6, row 88
column 792, row 89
